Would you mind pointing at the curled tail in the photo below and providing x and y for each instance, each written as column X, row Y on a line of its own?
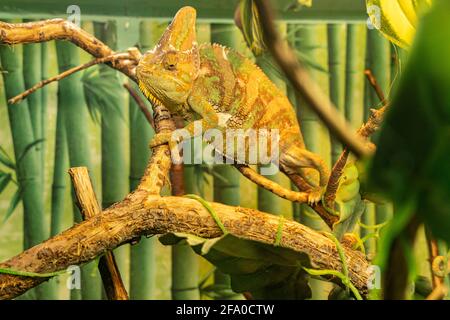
column 273, row 187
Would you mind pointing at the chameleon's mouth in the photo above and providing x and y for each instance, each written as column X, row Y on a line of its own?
column 155, row 101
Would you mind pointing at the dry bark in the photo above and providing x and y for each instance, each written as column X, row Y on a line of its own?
column 142, row 214
column 89, row 207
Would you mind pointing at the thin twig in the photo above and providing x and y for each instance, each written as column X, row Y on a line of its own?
column 438, row 293
column 61, row 29
column 302, row 82
column 366, row 130
column 111, row 58
column 89, row 207
column 141, row 104
column 374, row 83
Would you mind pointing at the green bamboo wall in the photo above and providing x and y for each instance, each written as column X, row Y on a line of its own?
column 338, row 50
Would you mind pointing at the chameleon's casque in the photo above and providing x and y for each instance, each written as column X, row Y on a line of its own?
column 209, row 81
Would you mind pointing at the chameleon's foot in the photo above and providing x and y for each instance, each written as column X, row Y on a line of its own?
column 315, row 195
column 160, row 139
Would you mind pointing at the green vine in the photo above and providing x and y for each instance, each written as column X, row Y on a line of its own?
column 31, row 274
column 344, row 275
column 210, row 210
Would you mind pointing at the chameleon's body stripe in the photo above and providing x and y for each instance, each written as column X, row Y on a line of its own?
column 234, row 84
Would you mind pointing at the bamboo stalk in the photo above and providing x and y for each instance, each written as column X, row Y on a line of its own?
column 113, row 139
column 71, row 102
column 378, row 62
column 28, row 169
column 32, row 73
column 61, row 163
column 309, row 41
column 45, row 51
column 355, row 66
column 380, row 65
column 337, row 44
column 59, row 182
column 143, row 262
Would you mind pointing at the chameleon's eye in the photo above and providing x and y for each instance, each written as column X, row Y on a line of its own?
column 170, row 66
column 170, row 62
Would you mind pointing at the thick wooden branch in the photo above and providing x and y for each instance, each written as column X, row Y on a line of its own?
column 140, row 214
column 60, row 29
column 89, row 207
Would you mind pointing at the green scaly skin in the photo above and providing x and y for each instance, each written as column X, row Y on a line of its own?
column 223, row 90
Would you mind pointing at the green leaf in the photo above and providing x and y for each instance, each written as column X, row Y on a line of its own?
column 28, row 148
column 6, row 160
column 218, row 292
column 12, row 205
column 349, row 204
column 5, row 179
column 412, row 162
column 263, row 269
column 100, row 91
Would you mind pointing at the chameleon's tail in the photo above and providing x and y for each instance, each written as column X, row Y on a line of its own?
column 273, row 187
column 309, row 166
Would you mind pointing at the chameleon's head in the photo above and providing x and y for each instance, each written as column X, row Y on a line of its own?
column 166, row 74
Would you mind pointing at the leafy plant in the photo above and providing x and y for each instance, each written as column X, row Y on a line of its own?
column 100, row 92
column 7, row 177
column 267, row 271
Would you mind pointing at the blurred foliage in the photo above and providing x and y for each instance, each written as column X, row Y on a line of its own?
column 100, row 92
column 268, row 272
column 6, row 177
column 412, row 162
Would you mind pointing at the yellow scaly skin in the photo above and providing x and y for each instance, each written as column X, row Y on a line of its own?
column 226, row 91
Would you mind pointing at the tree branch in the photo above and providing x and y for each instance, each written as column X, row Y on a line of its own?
column 372, row 125
column 114, row 57
column 141, row 214
column 60, row 29
column 89, row 207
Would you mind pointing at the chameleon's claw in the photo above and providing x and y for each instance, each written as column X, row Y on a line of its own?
column 160, row 139
column 315, row 196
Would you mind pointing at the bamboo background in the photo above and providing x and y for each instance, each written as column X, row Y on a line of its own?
column 115, row 148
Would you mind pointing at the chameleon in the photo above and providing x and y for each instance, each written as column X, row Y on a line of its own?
column 222, row 89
